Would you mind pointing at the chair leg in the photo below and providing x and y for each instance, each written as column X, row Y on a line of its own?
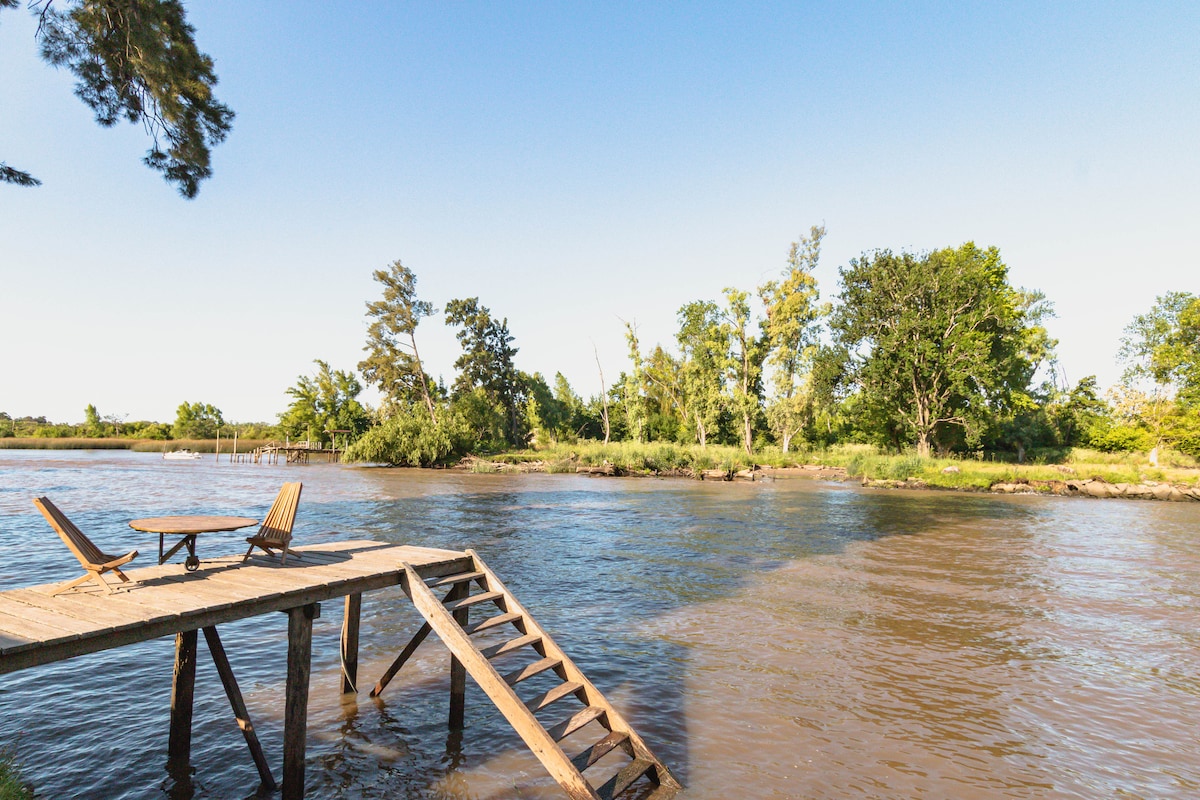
column 124, row 578
column 91, row 576
column 75, row 583
column 249, row 550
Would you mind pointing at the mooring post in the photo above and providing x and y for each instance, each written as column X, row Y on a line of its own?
column 295, row 710
column 458, row 673
column 217, row 650
column 350, row 623
column 183, row 690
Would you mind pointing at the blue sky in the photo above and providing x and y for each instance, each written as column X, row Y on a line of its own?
column 576, row 165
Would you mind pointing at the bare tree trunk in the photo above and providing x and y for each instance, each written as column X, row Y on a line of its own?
column 421, row 377
column 603, row 395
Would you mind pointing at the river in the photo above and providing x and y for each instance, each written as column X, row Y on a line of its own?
column 770, row 640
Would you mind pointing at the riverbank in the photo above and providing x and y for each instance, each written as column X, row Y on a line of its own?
column 137, row 445
column 1082, row 473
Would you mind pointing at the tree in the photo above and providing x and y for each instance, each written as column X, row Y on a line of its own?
column 487, row 360
column 744, row 363
column 634, row 389
column 702, row 348
column 409, row 438
column 393, row 362
column 936, row 341
column 1162, row 347
column 603, row 398
column 1161, row 352
column 324, row 403
column 138, row 60
column 791, row 327
column 196, row 421
column 91, row 421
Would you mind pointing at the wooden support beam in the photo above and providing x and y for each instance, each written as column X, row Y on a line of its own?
column 458, row 673
column 217, row 650
column 350, row 623
column 295, row 710
column 404, row 656
column 183, row 685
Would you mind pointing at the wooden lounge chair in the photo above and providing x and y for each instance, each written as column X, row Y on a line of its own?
column 276, row 530
column 93, row 559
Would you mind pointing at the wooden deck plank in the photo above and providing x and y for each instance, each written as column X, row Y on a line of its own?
column 67, row 603
column 161, row 600
column 49, row 618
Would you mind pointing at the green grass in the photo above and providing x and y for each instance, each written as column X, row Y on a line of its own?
column 11, row 785
column 859, row 461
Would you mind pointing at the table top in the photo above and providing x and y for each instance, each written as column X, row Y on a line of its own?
column 188, row 525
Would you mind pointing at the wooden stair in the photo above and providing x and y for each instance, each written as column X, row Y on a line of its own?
column 611, row 757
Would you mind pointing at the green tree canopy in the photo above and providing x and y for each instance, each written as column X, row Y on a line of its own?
column 393, row 363
column 487, row 361
column 196, row 421
column 792, row 323
column 702, row 349
column 324, row 403
column 138, row 60
column 935, row 341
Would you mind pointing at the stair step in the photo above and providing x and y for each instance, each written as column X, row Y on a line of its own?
column 625, row 778
column 510, row 645
column 554, row 695
column 462, row 577
column 491, row 622
column 529, row 670
column 599, row 750
column 574, row 722
column 467, row 602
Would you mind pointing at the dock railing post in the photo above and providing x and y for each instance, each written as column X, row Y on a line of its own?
column 183, row 690
column 295, row 710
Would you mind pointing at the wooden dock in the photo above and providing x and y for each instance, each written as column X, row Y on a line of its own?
column 38, row 628
column 293, row 453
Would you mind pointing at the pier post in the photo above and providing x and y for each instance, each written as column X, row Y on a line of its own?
column 350, row 624
column 183, row 690
column 295, row 710
column 458, row 673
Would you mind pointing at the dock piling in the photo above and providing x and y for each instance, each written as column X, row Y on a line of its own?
column 183, row 689
column 295, row 711
column 350, row 623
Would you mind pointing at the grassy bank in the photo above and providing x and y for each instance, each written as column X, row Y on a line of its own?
column 137, row 445
column 11, row 786
column 859, row 461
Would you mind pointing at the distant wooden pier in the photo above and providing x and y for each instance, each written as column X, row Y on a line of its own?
column 38, row 628
column 290, row 453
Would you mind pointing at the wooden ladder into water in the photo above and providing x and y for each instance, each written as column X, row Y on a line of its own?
column 616, row 762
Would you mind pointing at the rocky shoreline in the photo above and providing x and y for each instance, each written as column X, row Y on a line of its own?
column 1090, row 487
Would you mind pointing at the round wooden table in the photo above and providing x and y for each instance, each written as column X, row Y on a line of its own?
column 189, row 527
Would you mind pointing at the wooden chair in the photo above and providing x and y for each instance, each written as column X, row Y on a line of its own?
column 276, row 530
column 93, row 559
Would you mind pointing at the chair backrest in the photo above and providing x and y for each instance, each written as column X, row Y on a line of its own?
column 277, row 527
column 80, row 545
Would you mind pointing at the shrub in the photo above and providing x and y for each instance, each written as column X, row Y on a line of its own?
column 408, row 439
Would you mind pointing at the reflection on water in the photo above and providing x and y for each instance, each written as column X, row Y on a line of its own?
column 787, row 639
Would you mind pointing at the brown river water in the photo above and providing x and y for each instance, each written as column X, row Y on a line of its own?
column 770, row 640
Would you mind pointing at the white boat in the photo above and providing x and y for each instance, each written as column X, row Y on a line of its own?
column 181, row 455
